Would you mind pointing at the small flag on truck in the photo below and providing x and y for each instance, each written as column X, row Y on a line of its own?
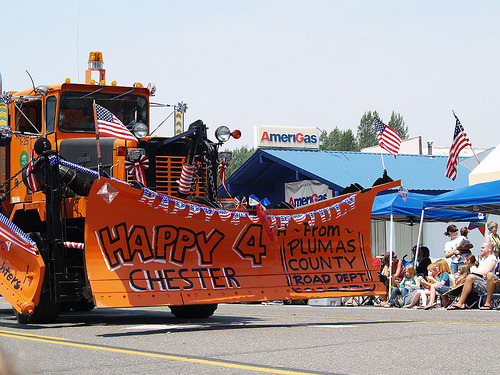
column 108, row 124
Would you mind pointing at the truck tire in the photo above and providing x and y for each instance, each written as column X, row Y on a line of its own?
column 193, row 311
column 45, row 314
column 295, row 302
column 83, row 305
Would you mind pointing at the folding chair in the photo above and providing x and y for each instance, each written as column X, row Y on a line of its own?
column 472, row 301
column 367, row 300
column 495, row 300
column 453, row 295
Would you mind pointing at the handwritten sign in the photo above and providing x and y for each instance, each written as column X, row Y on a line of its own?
column 146, row 249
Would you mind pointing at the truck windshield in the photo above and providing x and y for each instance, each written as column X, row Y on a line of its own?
column 76, row 110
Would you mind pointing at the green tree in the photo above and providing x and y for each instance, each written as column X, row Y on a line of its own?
column 338, row 140
column 240, row 156
column 397, row 123
column 348, row 141
column 329, row 141
column 367, row 135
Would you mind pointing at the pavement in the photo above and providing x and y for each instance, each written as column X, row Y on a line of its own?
column 256, row 338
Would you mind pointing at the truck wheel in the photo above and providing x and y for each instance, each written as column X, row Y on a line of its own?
column 193, row 311
column 83, row 305
column 295, row 302
column 47, row 314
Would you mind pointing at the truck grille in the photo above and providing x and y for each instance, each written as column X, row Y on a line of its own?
column 168, row 171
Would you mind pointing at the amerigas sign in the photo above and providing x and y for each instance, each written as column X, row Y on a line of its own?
column 286, row 137
column 302, row 193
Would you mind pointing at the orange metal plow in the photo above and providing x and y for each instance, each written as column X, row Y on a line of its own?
column 145, row 249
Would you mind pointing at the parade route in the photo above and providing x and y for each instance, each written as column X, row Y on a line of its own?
column 252, row 338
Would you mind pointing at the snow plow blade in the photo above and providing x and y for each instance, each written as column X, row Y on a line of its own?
column 21, row 268
column 145, row 249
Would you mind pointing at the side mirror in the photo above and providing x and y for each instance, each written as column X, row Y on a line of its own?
column 5, row 135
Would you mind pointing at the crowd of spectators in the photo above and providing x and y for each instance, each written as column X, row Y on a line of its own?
column 457, row 281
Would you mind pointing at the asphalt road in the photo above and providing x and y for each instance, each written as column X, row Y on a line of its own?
column 251, row 339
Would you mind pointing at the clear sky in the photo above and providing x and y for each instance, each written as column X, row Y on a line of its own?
column 292, row 63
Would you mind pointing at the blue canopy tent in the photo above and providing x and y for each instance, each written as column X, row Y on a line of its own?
column 480, row 199
column 483, row 198
column 392, row 207
column 392, row 204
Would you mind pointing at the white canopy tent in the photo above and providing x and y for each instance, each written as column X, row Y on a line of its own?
column 488, row 170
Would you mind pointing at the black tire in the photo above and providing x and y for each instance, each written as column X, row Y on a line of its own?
column 193, row 311
column 45, row 314
column 65, row 306
column 295, row 302
column 83, row 305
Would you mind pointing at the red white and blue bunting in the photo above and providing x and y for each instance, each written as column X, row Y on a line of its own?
column 10, row 232
column 138, row 168
column 5, row 98
column 74, row 245
column 175, row 206
column 191, row 210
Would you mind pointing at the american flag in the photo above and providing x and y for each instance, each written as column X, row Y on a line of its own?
column 30, row 176
column 460, row 141
column 109, row 124
column 388, row 139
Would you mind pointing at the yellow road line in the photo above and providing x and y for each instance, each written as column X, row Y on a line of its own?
column 32, row 335
column 156, row 355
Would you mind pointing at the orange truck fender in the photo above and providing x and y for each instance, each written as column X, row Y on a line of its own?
column 21, row 268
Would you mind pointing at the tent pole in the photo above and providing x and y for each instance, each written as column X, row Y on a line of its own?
column 486, row 227
column 390, row 256
column 411, row 236
column 419, row 236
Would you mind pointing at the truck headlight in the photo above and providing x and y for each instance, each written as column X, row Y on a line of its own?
column 222, row 133
column 135, row 153
column 140, row 130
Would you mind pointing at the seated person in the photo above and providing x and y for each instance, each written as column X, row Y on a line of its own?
column 471, row 261
column 492, row 286
column 457, row 284
column 463, row 272
column 477, row 281
column 396, row 272
column 442, row 284
column 423, row 261
column 413, row 298
column 403, row 289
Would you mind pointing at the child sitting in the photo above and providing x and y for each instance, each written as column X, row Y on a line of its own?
column 424, row 292
column 403, row 288
column 442, row 284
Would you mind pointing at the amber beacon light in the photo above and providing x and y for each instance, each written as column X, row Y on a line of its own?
column 95, row 64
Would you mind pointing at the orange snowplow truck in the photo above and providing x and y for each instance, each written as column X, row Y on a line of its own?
column 90, row 219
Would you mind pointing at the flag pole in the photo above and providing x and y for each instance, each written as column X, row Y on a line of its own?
column 99, row 163
column 382, row 157
column 474, row 152
column 478, row 162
